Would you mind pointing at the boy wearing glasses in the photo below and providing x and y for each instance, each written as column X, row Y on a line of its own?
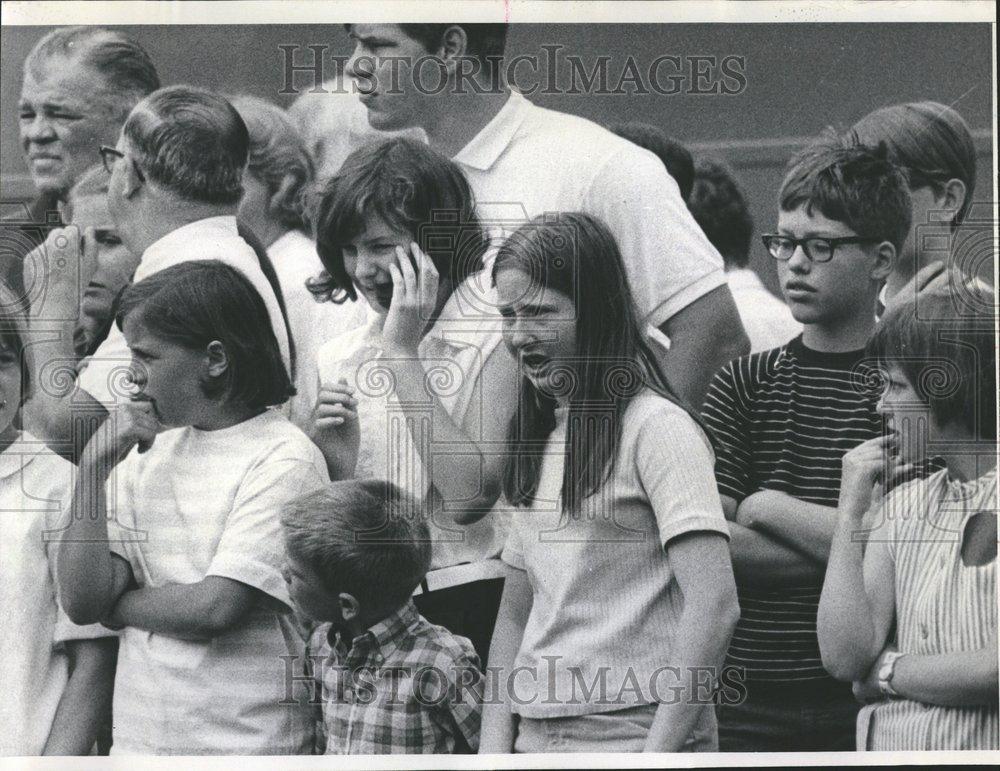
column 783, row 419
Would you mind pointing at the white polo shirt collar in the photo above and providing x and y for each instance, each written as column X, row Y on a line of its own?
column 489, row 144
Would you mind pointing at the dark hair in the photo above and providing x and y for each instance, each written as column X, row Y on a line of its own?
column 190, row 141
column 196, row 302
column 575, row 254
column 13, row 334
column 278, row 157
column 671, row 153
column 857, row 186
column 364, row 537
column 719, row 207
column 929, row 140
column 482, row 40
column 415, row 190
column 946, row 348
column 123, row 63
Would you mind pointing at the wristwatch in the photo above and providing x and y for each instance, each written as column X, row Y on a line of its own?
column 886, row 671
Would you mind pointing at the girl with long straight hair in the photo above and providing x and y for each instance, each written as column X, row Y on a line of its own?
column 618, row 567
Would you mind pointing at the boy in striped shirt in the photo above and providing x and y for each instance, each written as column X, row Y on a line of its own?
column 782, row 420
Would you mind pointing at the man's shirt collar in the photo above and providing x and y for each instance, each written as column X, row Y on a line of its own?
column 489, row 144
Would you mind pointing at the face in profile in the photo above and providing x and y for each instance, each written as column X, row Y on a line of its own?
column 305, row 587
column 65, row 114
column 907, row 416
column 390, row 71
column 165, row 374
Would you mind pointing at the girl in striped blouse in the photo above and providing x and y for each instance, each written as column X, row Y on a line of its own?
column 908, row 609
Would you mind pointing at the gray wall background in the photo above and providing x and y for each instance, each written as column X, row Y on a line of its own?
column 799, row 79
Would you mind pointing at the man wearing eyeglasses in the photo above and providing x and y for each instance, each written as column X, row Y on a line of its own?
column 175, row 181
column 783, row 420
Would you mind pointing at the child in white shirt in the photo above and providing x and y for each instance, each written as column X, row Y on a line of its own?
column 56, row 676
column 200, row 469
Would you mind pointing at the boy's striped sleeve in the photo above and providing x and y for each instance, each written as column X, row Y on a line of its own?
column 726, row 412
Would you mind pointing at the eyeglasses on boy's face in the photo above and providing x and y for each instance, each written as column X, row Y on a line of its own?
column 816, row 248
column 111, row 154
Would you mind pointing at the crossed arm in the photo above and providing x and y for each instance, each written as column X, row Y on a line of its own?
column 94, row 583
column 856, row 612
column 776, row 539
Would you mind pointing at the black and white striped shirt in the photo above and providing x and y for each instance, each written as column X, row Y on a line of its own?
column 782, row 420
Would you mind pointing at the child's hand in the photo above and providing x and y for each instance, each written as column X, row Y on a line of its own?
column 866, row 472
column 414, row 297
column 130, row 425
column 335, row 429
column 68, row 260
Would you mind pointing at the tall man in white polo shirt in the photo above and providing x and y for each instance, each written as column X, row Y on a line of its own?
column 174, row 189
column 523, row 160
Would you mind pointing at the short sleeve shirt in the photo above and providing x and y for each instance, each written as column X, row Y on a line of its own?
column 208, row 503
column 603, row 591
column 521, row 165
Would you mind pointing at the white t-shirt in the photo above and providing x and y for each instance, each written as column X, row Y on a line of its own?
column 767, row 320
column 453, row 353
column 34, row 670
column 104, row 375
column 529, row 161
column 207, row 503
column 604, row 594
column 295, row 261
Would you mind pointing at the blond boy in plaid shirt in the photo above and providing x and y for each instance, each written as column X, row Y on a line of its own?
column 390, row 681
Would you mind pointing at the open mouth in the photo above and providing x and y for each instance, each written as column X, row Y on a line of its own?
column 533, row 361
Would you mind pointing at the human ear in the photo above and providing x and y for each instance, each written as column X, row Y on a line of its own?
column 276, row 201
column 350, row 608
column 217, row 358
column 953, row 197
column 133, row 179
column 454, row 43
column 885, row 261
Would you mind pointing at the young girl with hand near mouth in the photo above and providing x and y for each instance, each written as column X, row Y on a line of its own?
column 397, row 225
column 185, row 485
column 908, row 610
column 619, row 570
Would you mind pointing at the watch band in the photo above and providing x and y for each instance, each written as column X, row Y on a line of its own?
column 886, row 671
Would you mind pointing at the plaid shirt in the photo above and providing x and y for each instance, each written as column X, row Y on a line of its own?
column 404, row 686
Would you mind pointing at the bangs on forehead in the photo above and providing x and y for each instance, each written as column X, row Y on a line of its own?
column 360, row 200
